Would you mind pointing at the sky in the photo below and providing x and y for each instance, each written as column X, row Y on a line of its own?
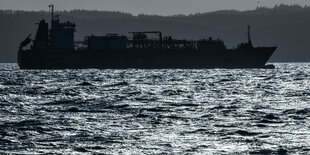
column 158, row 7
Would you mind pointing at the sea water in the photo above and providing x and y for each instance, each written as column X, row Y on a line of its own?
column 211, row 111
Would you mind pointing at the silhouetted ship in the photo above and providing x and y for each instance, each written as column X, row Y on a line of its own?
column 56, row 49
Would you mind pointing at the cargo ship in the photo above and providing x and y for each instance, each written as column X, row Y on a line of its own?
column 55, row 48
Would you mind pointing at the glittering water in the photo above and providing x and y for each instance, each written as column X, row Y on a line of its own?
column 214, row 111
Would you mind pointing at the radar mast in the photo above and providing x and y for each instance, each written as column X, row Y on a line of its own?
column 52, row 9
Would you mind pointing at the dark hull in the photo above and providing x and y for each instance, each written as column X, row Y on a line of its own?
column 144, row 59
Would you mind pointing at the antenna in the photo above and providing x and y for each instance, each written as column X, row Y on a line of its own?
column 52, row 8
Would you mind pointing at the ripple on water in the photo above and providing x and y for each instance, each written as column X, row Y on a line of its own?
column 216, row 111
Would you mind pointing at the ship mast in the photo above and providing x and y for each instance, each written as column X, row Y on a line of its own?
column 249, row 35
column 52, row 9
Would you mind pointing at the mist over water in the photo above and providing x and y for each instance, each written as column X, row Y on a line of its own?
column 215, row 111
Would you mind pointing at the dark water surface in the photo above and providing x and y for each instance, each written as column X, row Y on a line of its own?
column 214, row 111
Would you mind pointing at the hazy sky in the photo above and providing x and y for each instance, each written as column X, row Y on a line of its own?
column 161, row 7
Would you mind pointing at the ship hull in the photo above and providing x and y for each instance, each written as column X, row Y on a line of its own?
column 144, row 59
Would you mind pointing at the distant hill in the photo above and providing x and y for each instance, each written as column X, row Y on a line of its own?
column 288, row 27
